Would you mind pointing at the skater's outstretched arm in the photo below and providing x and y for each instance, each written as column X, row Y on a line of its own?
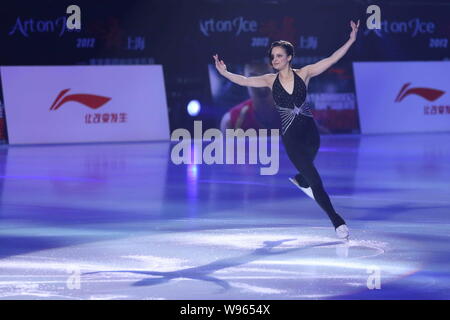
column 322, row 65
column 257, row 82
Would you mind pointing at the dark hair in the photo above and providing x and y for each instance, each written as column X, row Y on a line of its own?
column 286, row 45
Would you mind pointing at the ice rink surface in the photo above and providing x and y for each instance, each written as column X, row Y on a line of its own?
column 121, row 221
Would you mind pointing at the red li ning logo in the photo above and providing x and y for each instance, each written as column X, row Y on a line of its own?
column 89, row 100
column 426, row 93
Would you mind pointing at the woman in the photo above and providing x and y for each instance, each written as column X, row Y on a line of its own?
column 299, row 131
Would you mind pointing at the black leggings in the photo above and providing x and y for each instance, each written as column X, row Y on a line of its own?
column 302, row 141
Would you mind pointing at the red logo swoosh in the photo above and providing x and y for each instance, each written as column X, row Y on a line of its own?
column 89, row 100
column 426, row 93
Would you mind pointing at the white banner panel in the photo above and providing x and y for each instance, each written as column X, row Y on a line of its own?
column 61, row 104
column 403, row 96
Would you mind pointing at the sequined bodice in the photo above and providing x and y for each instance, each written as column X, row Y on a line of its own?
column 290, row 105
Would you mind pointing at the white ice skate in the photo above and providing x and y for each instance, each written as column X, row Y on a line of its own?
column 342, row 232
column 307, row 191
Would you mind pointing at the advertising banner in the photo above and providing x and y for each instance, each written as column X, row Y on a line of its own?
column 63, row 104
column 398, row 97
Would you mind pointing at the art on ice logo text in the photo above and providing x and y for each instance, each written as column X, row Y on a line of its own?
column 26, row 26
column 238, row 24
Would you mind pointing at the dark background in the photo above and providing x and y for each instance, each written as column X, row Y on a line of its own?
column 172, row 35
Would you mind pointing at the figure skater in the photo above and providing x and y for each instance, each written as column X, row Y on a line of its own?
column 299, row 131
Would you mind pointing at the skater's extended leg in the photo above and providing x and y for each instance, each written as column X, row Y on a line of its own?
column 312, row 178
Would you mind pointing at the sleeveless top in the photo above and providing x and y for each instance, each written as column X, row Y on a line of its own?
column 290, row 105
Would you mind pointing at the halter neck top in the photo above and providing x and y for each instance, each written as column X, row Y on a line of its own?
column 290, row 105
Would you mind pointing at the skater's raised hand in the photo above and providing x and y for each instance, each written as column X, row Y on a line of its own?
column 220, row 65
column 354, row 30
column 256, row 82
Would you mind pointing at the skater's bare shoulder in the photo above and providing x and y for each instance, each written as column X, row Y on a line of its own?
column 303, row 74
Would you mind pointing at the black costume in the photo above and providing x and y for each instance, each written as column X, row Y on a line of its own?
column 301, row 139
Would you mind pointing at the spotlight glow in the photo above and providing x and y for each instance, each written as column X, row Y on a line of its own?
column 193, row 108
